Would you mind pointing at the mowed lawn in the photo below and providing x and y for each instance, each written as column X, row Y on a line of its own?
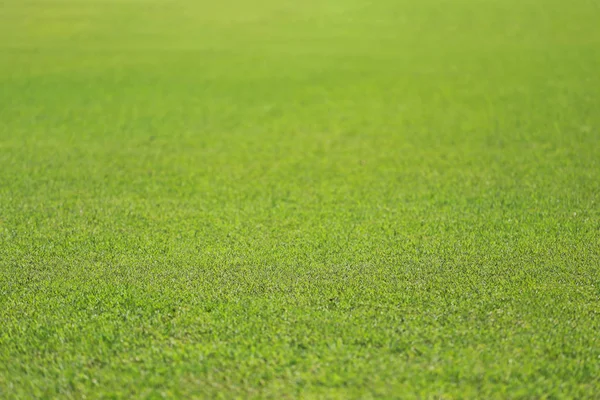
column 315, row 199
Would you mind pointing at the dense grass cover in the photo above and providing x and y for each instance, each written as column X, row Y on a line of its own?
column 330, row 199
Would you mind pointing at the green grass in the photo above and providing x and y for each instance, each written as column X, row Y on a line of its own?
column 316, row 199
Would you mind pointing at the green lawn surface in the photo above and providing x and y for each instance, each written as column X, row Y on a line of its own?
column 280, row 199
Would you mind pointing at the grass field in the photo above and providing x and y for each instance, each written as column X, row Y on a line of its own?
column 316, row 199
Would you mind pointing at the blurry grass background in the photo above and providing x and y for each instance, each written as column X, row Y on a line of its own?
column 327, row 198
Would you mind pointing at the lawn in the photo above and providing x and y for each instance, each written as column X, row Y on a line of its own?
column 316, row 199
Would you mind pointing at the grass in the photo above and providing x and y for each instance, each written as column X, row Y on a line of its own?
column 316, row 199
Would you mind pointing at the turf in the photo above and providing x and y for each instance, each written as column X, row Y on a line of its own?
column 316, row 199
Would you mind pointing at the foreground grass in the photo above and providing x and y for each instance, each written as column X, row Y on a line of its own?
column 336, row 198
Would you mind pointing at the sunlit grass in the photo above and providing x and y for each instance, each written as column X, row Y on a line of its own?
column 337, row 199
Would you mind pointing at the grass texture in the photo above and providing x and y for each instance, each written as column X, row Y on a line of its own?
column 315, row 199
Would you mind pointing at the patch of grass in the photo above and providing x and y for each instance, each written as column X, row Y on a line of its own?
column 329, row 199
